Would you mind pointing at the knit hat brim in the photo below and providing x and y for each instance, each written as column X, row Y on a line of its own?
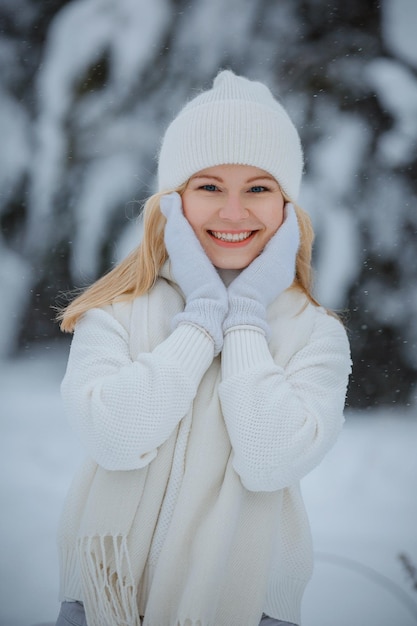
column 222, row 130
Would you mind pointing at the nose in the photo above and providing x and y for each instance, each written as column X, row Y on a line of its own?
column 233, row 208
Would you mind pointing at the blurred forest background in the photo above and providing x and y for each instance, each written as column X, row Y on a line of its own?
column 87, row 88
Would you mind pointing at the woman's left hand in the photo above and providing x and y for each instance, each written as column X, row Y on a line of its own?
column 265, row 278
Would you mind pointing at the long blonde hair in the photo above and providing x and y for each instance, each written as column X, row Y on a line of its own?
column 137, row 273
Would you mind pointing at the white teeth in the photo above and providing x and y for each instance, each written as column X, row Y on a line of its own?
column 230, row 236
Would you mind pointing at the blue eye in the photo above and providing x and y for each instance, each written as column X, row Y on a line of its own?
column 209, row 187
column 258, row 189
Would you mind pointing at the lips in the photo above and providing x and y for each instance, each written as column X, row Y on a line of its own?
column 231, row 237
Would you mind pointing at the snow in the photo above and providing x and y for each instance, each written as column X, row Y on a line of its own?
column 399, row 28
column 211, row 40
column 363, row 512
column 396, row 88
column 80, row 132
column 141, row 29
column 334, row 165
column 14, row 127
column 361, row 501
column 126, row 33
column 94, row 209
column 15, row 275
column 338, row 259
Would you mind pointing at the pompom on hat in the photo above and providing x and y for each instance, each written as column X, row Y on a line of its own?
column 238, row 121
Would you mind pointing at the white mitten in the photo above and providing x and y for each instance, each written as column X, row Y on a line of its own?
column 205, row 294
column 265, row 278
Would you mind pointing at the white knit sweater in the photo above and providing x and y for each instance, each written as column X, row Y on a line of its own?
column 282, row 405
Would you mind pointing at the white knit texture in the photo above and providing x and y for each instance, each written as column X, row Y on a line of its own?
column 239, row 122
column 278, row 420
column 122, row 409
column 282, row 405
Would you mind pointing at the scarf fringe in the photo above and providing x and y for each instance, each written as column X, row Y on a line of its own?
column 109, row 589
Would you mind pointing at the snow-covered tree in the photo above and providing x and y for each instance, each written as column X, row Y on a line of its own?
column 87, row 88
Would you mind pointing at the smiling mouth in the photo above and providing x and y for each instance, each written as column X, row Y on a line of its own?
column 231, row 237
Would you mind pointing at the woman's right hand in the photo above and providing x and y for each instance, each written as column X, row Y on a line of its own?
column 206, row 299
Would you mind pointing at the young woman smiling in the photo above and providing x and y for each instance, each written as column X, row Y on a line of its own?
column 234, row 210
column 205, row 381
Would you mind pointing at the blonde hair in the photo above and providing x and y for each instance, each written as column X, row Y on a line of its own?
column 137, row 273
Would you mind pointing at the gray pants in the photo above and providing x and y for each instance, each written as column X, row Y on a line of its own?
column 72, row 614
column 271, row 621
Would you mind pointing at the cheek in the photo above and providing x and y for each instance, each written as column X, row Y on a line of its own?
column 194, row 219
column 274, row 218
column 190, row 209
column 197, row 212
column 185, row 204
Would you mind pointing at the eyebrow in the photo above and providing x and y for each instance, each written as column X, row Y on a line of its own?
column 249, row 180
column 206, row 176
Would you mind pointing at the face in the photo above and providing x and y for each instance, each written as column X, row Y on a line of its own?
column 234, row 210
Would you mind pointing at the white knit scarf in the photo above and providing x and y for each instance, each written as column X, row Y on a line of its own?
column 213, row 566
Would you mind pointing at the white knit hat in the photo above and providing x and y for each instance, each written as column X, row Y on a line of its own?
column 238, row 121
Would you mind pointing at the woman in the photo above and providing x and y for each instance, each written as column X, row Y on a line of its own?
column 205, row 381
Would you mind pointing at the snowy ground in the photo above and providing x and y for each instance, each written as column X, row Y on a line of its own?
column 362, row 501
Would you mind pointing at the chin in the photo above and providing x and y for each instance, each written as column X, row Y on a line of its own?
column 223, row 264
